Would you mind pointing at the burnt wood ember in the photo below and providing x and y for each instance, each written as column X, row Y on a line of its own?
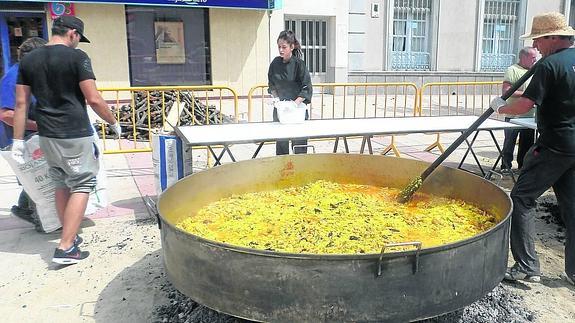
column 550, row 210
column 194, row 112
column 500, row 305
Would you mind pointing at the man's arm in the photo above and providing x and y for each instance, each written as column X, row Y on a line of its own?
column 519, row 106
column 7, row 116
column 21, row 110
column 506, row 86
column 96, row 101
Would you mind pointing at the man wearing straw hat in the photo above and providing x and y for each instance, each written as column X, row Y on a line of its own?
column 551, row 160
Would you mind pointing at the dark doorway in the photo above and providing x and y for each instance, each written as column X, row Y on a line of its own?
column 16, row 27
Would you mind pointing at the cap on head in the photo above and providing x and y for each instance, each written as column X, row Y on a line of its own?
column 549, row 24
column 72, row 23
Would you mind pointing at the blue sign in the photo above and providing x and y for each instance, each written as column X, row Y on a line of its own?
column 243, row 4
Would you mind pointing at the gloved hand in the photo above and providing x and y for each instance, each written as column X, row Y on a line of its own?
column 18, row 148
column 117, row 129
column 497, row 103
column 272, row 102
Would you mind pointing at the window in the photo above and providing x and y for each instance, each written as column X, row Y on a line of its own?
column 312, row 35
column 410, row 46
column 499, row 34
column 167, row 46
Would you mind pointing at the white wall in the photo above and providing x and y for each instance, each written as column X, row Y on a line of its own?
column 239, row 43
column 538, row 7
column 105, row 26
column 367, row 36
column 457, row 32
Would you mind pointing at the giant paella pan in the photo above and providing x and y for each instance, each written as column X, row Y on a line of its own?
column 264, row 285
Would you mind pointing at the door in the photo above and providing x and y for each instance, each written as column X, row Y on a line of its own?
column 15, row 28
column 312, row 35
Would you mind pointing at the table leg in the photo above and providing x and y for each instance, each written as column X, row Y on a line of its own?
column 335, row 145
column 345, row 145
column 218, row 157
column 470, row 149
column 499, row 157
column 261, row 144
column 226, row 148
column 363, row 140
column 366, row 140
column 369, row 148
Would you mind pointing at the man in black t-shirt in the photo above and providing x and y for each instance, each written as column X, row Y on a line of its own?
column 62, row 80
column 551, row 160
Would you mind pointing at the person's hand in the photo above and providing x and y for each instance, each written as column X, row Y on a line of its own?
column 117, row 129
column 272, row 102
column 18, row 148
column 497, row 103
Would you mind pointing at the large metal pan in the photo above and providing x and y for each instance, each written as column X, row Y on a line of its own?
column 271, row 286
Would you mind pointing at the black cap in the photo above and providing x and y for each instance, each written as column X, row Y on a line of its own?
column 72, row 23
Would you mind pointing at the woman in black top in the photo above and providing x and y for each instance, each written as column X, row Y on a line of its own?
column 289, row 79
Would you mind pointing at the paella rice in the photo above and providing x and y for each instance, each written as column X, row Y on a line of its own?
column 324, row 217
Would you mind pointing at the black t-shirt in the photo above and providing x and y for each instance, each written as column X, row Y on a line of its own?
column 290, row 80
column 552, row 88
column 53, row 74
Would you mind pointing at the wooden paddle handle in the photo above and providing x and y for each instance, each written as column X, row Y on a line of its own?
column 477, row 123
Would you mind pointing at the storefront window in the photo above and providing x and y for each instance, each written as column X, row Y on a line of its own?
column 167, row 46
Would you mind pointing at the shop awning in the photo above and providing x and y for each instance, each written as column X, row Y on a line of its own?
column 239, row 4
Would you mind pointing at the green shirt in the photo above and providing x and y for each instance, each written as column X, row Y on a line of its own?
column 512, row 75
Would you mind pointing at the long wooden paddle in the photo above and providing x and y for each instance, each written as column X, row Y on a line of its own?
column 407, row 193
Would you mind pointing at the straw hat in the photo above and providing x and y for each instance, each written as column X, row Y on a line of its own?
column 549, row 24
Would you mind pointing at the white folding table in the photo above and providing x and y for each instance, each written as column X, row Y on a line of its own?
column 227, row 134
column 525, row 122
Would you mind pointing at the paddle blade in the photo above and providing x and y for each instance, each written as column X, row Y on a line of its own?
column 407, row 193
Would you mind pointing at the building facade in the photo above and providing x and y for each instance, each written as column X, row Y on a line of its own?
column 138, row 43
column 430, row 40
column 231, row 43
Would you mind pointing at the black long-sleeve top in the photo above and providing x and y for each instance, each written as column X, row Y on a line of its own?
column 290, row 80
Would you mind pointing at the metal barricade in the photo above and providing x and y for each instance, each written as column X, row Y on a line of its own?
column 455, row 98
column 142, row 110
column 346, row 101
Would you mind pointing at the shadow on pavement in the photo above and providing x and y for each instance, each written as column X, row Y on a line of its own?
column 134, row 293
column 28, row 241
column 131, row 206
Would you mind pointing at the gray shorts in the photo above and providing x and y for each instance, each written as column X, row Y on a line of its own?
column 73, row 162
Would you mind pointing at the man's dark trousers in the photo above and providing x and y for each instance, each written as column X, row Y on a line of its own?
column 542, row 169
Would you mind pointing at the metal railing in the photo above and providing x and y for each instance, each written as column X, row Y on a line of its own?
column 455, row 98
column 144, row 110
column 346, row 100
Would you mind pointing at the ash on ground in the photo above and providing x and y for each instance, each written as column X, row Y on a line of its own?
column 549, row 210
column 182, row 309
column 500, row 305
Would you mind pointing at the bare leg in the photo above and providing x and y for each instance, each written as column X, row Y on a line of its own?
column 61, row 195
column 73, row 214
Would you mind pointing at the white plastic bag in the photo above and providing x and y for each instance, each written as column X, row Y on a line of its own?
column 289, row 112
column 99, row 196
column 37, row 183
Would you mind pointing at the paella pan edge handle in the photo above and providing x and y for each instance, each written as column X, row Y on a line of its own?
column 153, row 209
column 416, row 244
